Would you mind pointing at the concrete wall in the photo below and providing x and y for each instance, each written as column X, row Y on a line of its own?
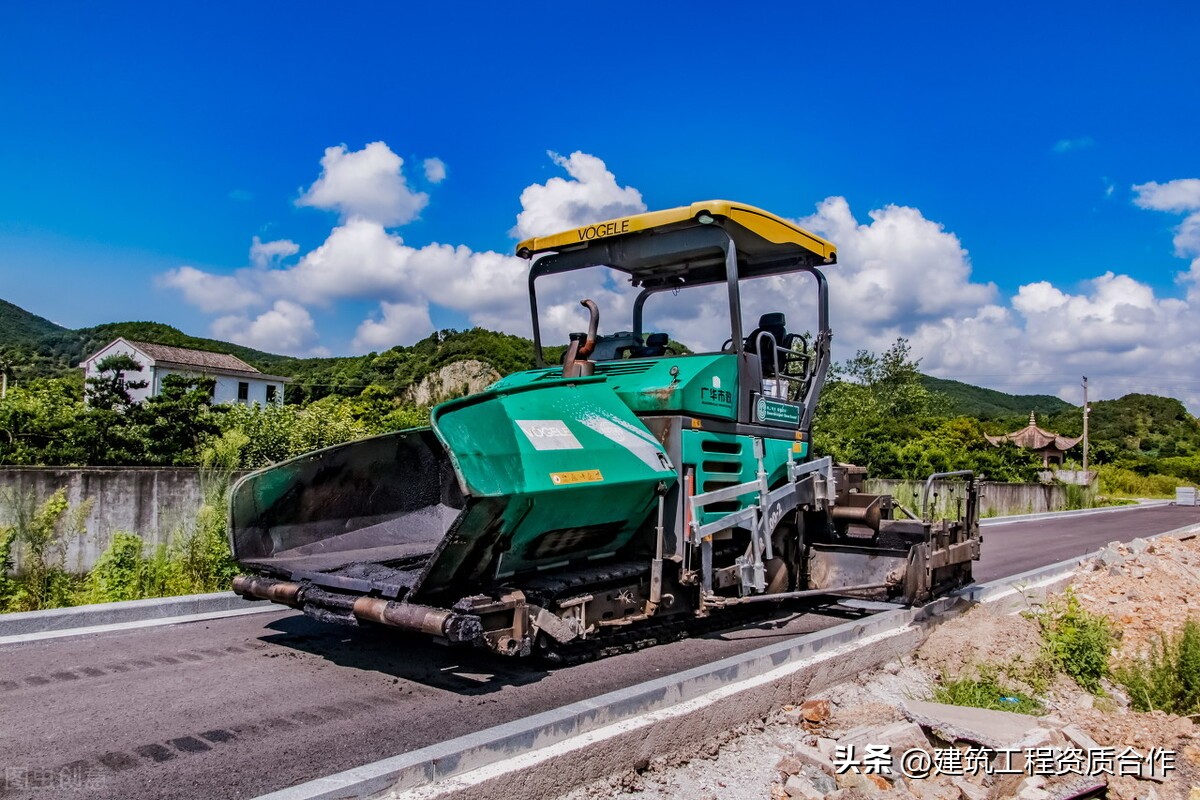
column 151, row 502
column 999, row 499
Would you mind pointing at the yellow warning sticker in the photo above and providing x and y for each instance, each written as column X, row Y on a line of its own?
column 579, row 476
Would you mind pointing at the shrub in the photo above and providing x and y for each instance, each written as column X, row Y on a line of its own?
column 1077, row 641
column 1125, row 482
column 1168, row 677
column 117, row 574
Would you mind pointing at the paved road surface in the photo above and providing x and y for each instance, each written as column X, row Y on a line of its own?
column 237, row 707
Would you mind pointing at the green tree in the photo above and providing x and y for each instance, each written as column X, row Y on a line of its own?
column 178, row 420
column 109, row 388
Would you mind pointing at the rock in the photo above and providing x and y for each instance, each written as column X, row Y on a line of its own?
column 933, row 789
column 789, row 765
column 1138, row 546
column 801, row 787
column 820, row 780
column 993, row 729
column 827, row 746
column 1109, row 557
column 815, row 758
column 968, row 790
column 1076, row 736
column 1115, row 571
column 892, row 668
column 868, row 784
column 903, row 735
column 815, row 710
column 793, row 716
column 456, row 379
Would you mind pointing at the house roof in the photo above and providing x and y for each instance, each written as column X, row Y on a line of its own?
column 193, row 358
column 1031, row 437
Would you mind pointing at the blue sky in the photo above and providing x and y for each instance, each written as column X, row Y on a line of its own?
column 137, row 140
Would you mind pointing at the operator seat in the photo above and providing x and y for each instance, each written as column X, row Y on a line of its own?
column 656, row 345
column 776, row 325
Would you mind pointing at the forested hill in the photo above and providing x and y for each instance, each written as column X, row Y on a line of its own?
column 37, row 348
column 963, row 399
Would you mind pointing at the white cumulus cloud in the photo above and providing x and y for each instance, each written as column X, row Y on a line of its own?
column 592, row 194
column 435, row 170
column 367, row 184
column 1177, row 195
column 208, row 292
column 398, row 324
column 285, row 327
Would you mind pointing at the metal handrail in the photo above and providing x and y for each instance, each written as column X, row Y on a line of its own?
column 929, row 486
column 774, row 355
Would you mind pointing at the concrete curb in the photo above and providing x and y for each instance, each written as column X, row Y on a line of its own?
column 1083, row 512
column 541, row 756
column 159, row 610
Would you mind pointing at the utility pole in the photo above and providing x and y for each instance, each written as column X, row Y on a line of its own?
column 1086, row 412
column 3, row 379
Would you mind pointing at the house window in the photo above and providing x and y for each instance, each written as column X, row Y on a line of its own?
column 243, row 392
column 270, row 393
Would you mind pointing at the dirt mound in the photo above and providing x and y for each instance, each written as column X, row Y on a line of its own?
column 980, row 636
column 1145, row 587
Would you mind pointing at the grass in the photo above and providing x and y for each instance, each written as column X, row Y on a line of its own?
column 1168, row 677
column 984, row 691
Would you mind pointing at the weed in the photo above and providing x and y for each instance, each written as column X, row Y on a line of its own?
column 43, row 533
column 7, row 585
column 117, row 574
column 1168, row 677
column 1076, row 641
column 984, row 691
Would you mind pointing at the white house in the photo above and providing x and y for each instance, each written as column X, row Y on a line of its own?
column 237, row 381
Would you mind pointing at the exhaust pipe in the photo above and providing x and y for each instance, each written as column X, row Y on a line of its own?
column 253, row 588
column 449, row 625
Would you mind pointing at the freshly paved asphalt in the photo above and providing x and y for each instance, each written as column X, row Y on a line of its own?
column 236, row 707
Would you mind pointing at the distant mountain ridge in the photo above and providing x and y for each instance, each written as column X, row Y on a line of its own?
column 976, row 401
column 17, row 324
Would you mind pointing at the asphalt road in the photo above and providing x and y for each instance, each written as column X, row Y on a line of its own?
column 236, row 707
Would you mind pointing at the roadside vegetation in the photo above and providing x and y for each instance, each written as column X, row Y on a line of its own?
column 197, row 559
column 1167, row 678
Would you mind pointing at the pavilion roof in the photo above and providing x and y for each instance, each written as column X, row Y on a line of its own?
column 1031, row 437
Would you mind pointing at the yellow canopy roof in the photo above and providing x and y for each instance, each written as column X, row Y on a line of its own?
column 752, row 229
